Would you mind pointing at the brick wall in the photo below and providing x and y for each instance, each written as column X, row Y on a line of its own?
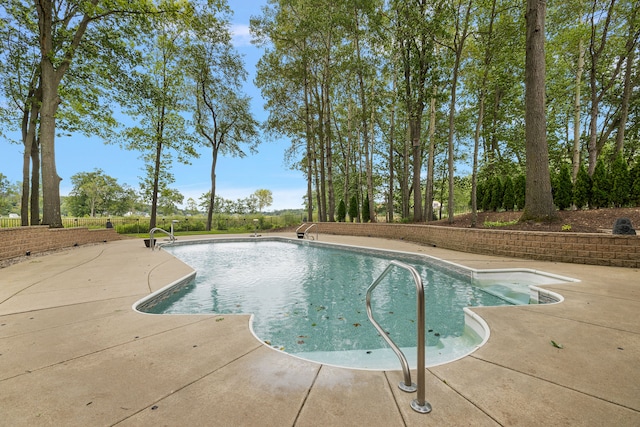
column 18, row 241
column 579, row 248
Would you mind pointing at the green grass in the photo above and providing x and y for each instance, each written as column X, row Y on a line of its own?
column 498, row 224
column 159, row 234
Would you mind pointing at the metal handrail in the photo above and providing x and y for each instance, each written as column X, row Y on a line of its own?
column 309, row 228
column 152, row 241
column 306, row 230
column 419, row 404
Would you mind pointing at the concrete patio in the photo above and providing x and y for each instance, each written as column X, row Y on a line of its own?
column 74, row 353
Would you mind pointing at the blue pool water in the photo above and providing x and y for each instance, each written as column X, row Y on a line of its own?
column 309, row 300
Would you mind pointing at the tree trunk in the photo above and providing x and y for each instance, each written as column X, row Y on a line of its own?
column 212, row 195
column 596, row 52
column 450, row 151
column 322, row 189
column 347, row 156
column 50, row 80
column 458, row 45
column 404, row 186
column 26, row 165
column 156, row 184
column 414, row 130
column 576, row 113
column 329, row 156
column 309, row 149
column 538, row 198
column 51, row 215
column 632, row 40
column 428, row 192
column 35, row 183
column 392, row 129
column 364, row 117
column 318, row 185
column 476, row 147
column 479, row 123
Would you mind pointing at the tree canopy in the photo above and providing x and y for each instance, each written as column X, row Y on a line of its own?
column 392, row 104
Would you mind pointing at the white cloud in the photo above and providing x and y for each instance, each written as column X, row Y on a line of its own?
column 240, row 35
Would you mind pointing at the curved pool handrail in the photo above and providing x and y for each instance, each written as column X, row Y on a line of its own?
column 153, row 230
column 305, row 233
column 419, row 404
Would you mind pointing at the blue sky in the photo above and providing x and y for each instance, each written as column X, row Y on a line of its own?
column 236, row 178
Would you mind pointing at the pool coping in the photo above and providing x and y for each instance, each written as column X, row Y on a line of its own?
column 73, row 352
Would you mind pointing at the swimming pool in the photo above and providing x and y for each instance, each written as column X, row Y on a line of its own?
column 308, row 299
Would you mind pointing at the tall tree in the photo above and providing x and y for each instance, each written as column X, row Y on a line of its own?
column 461, row 17
column 605, row 65
column 221, row 112
column 538, row 197
column 63, row 26
column 415, row 36
column 157, row 97
column 80, row 41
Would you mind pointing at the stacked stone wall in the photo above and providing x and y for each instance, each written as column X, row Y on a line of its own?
column 578, row 248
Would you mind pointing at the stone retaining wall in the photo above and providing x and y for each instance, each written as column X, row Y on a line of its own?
column 579, row 248
column 18, row 241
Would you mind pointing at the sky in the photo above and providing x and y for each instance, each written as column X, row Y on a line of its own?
column 236, row 178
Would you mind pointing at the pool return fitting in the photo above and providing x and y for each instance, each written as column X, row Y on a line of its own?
column 419, row 404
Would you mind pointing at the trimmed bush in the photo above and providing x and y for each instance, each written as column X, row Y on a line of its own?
column 366, row 215
column 497, row 194
column 520, row 189
column 582, row 189
column 600, row 186
column 342, row 211
column 635, row 184
column 620, row 182
column 509, row 199
column 353, row 209
column 563, row 188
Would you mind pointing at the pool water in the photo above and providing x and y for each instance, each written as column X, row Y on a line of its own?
column 309, row 300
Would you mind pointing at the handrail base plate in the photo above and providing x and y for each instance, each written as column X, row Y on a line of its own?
column 423, row 409
column 408, row 388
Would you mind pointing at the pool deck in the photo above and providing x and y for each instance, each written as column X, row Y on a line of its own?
column 74, row 353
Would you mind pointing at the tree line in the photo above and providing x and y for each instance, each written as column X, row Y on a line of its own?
column 97, row 194
column 384, row 101
column 381, row 99
column 68, row 66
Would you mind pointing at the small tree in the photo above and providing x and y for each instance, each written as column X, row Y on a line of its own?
column 93, row 193
column 509, row 199
column 634, row 194
column 582, row 188
column 353, row 209
column 366, row 214
column 5, row 195
column 563, row 188
column 265, row 198
column 620, row 182
column 519, row 189
column 479, row 194
column 342, row 211
column 600, row 186
column 497, row 194
column 486, row 195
